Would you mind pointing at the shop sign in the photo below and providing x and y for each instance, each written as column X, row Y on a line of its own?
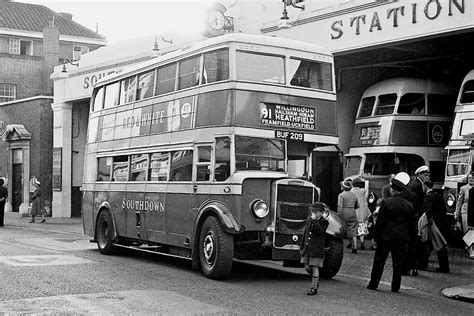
column 57, row 169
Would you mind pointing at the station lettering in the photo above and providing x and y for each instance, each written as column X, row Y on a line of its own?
column 392, row 17
column 90, row 81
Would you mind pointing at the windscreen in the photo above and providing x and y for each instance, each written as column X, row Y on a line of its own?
column 253, row 153
column 458, row 162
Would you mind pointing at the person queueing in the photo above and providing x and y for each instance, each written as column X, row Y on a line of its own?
column 394, row 225
column 346, row 206
column 3, row 200
column 435, row 209
column 362, row 212
column 418, row 249
column 465, row 208
column 37, row 203
column 312, row 244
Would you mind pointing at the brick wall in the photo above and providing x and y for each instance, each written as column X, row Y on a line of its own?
column 37, row 117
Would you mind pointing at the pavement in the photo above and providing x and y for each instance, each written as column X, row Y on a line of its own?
column 463, row 292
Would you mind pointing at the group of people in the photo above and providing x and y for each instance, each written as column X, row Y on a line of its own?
column 411, row 222
column 36, row 208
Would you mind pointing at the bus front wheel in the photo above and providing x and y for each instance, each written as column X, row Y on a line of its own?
column 105, row 228
column 216, row 249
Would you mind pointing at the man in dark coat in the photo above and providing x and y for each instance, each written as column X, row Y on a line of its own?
column 3, row 200
column 418, row 250
column 392, row 231
column 435, row 209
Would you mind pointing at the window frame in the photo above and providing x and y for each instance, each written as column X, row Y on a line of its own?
column 15, row 46
column 6, row 91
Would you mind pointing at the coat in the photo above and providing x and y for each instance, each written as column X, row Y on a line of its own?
column 314, row 238
column 434, row 207
column 416, row 186
column 463, row 205
column 395, row 220
column 37, row 204
column 362, row 212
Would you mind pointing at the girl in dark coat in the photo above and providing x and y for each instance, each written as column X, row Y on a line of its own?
column 37, row 203
column 312, row 244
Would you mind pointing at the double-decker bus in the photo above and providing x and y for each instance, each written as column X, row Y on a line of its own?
column 401, row 124
column 205, row 153
column 461, row 145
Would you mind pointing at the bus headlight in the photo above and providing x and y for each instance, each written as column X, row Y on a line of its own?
column 450, row 200
column 260, row 208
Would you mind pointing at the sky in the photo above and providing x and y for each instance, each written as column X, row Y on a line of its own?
column 126, row 19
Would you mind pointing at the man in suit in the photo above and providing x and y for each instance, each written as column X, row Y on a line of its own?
column 417, row 249
column 392, row 231
column 435, row 209
column 465, row 208
column 3, row 200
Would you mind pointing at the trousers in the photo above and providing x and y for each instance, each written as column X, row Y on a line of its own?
column 398, row 249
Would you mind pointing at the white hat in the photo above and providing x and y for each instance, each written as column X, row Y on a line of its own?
column 401, row 180
column 36, row 182
column 422, row 169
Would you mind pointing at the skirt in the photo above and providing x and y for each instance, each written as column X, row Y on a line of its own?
column 315, row 262
column 362, row 229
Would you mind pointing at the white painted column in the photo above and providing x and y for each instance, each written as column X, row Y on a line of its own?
column 62, row 138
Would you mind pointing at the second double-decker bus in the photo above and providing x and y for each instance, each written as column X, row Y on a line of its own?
column 461, row 145
column 402, row 123
column 205, row 153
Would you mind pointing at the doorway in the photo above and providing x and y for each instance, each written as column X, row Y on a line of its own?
column 17, row 176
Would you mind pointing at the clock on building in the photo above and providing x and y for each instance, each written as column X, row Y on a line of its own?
column 216, row 19
column 217, row 23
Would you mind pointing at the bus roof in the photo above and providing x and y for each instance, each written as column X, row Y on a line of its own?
column 403, row 85
column 217, row 41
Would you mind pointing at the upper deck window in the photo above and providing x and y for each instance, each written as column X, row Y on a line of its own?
column 467, row 95
column 111, row 95
column 165, row 80
column 146, row 84
column 441, row 104
column 412, row 103
column 98, row 100
column 310, row 74
column 367, row 106
column 128, row 90
column 216, row 66
column 188, row 73
column 458, row 162
column 386, row 104
column 259, row 67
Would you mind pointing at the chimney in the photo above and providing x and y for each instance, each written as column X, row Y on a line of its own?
column 66, row 15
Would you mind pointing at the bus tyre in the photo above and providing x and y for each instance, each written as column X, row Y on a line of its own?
column 105, row 232
column 216, row 249
column 333, row 257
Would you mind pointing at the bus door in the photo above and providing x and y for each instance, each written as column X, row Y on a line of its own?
column 203, row 178
column 179, row 195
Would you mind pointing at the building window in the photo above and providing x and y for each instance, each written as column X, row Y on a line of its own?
column 20, row 47
column 7, row 92
column 78, row 51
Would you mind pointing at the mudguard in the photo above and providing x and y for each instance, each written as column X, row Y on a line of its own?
column 105, row 205
column 228, row 221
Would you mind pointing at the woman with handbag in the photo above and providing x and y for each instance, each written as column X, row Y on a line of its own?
column 37, row 203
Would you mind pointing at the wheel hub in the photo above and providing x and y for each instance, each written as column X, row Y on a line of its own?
column 208, row 247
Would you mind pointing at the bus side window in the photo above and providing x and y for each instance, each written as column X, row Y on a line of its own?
column 159, row 167
column 204, row 163
column 138, row 167
column 120, row 168
column 181, row 165
column 103, row 169
column 222, row 165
